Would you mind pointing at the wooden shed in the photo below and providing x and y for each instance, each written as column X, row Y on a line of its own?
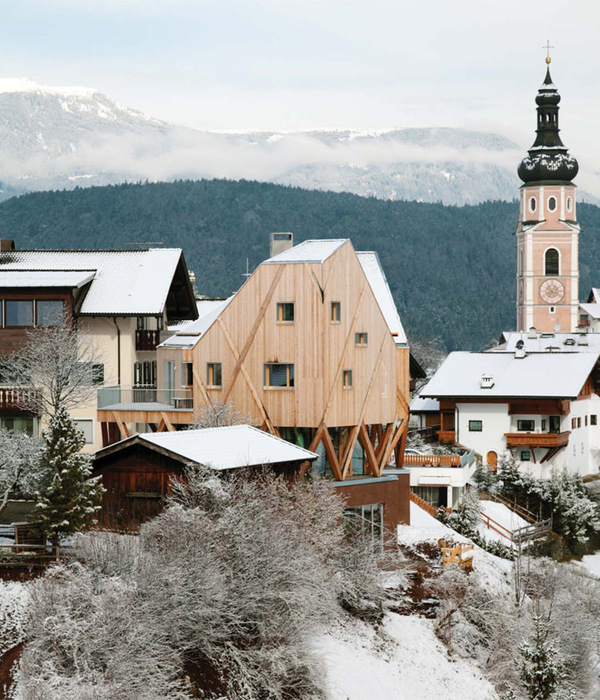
column 136, row 472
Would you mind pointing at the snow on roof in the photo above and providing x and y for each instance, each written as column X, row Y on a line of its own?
column 537, row 375
column 315, row 251
column 371, row 266
column 190, row 334
column 594, row 295
column 229, row 447
column 423, row 405
column 592, row 310
column 550, row 342
column 126, row 282
column 45, row 278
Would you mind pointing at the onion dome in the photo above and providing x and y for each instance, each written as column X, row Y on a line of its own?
column 548, row 160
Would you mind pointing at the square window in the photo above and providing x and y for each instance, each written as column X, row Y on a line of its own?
column 278, row 375
column 347, row 379
column 19, row 313
column 187, row 373
column 49, row 313
column 214, row 375
column 285, row 312
column 361, row 339
column 593, row 419
column 475, row 426
column 527, row 426
column 525, row 456
column 336, row 312
column 87, row 428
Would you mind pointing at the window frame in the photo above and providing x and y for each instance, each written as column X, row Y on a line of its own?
column 524, row 452
column 336, row 312
column 281, row 306
column 19, row 301
column 49, row 301
column 552, row 198
column 594, row 419
column 85, row 420
column 187, row 373
column 550, row 272
column 347, row 379
column 473, row 429
column 522, row 429
column 290, row 376
column 211, row 369
column 358, row 338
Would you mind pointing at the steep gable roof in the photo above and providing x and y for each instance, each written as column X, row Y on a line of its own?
column 124, row 282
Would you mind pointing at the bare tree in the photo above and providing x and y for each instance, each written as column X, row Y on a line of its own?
column 219, row 414
column 20, row 468
column 57, row 367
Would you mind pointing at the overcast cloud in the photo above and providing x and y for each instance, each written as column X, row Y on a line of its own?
column 301, row 64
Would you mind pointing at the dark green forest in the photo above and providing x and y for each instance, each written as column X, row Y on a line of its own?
column 451, row 269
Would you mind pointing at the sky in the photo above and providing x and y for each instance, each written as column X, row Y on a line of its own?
column 305, row 64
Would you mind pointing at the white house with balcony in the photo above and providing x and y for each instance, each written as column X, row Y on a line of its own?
column 540, row 406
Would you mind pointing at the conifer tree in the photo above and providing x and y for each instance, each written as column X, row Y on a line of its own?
column 70, row 497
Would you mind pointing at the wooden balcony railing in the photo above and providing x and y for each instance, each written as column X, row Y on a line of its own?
column 17, row 398
column 537, row 439
column 432, row 460
column 146, row 340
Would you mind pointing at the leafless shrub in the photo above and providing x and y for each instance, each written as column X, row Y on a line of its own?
column 56, row 366
column 21, row 471
column 220, row 414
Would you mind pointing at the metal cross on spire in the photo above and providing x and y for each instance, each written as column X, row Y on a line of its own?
column 548, row 47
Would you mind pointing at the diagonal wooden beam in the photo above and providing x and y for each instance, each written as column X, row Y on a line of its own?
column 349, row 451
column 161, row 426
column 365, row 441
column 249, row 382
column 167, row 422
column 250, row 339
column 331, row 455
column 123, row 429
column 200, row 385
column 315, row 281
column 384, row 439
column 402, row 430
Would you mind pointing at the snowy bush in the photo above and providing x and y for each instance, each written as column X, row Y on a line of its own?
column 466, row 518
column 13, row 612
column 220, row 596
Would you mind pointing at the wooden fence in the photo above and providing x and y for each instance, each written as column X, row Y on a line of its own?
column 431, row 460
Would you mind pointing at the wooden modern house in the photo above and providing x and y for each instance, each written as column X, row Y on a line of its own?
column 312, row 348
column 125, row 299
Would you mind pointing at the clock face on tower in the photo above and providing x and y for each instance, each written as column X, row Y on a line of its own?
column 552, row 291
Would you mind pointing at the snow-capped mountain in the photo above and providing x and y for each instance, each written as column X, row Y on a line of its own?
column 54, row 138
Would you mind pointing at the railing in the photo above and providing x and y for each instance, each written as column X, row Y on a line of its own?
column 432, row 460
column 17, row 398
column 127, row 398
column 447, row 436
column 427, row 507
column 17, row 555
column 147, row 340
column 537, row 439
column 494, row 525
column 428, row 433
column 515, row 507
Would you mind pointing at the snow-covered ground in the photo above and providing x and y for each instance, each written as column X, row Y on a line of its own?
column 591, row 562
column 503, row 516
column 403, row 660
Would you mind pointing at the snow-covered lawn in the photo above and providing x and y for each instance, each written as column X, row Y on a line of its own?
column 503, row 516
column 591, row 562
column 404, row 660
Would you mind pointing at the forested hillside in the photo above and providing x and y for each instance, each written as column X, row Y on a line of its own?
column 451, row 269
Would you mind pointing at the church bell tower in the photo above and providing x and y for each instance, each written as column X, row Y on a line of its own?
column 548, row 232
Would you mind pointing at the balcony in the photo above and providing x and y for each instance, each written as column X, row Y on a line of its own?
column 146, row 340
column 431, row 461
column 447, row 436
column 550, row 440
column 17, row 400
column 143, row 398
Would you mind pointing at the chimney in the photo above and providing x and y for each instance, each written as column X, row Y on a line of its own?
column 487, row 381
column 532, row 333
column 280, row 242
column 520, row 350
column 583, row 339
column 6, row 244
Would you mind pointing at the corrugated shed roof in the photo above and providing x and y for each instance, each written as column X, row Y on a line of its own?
column 314, row 251
column 45, row 278
column 371, row 266
column 191, row 333
column 537, row 375
column 126, row 282
column 229, row 447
